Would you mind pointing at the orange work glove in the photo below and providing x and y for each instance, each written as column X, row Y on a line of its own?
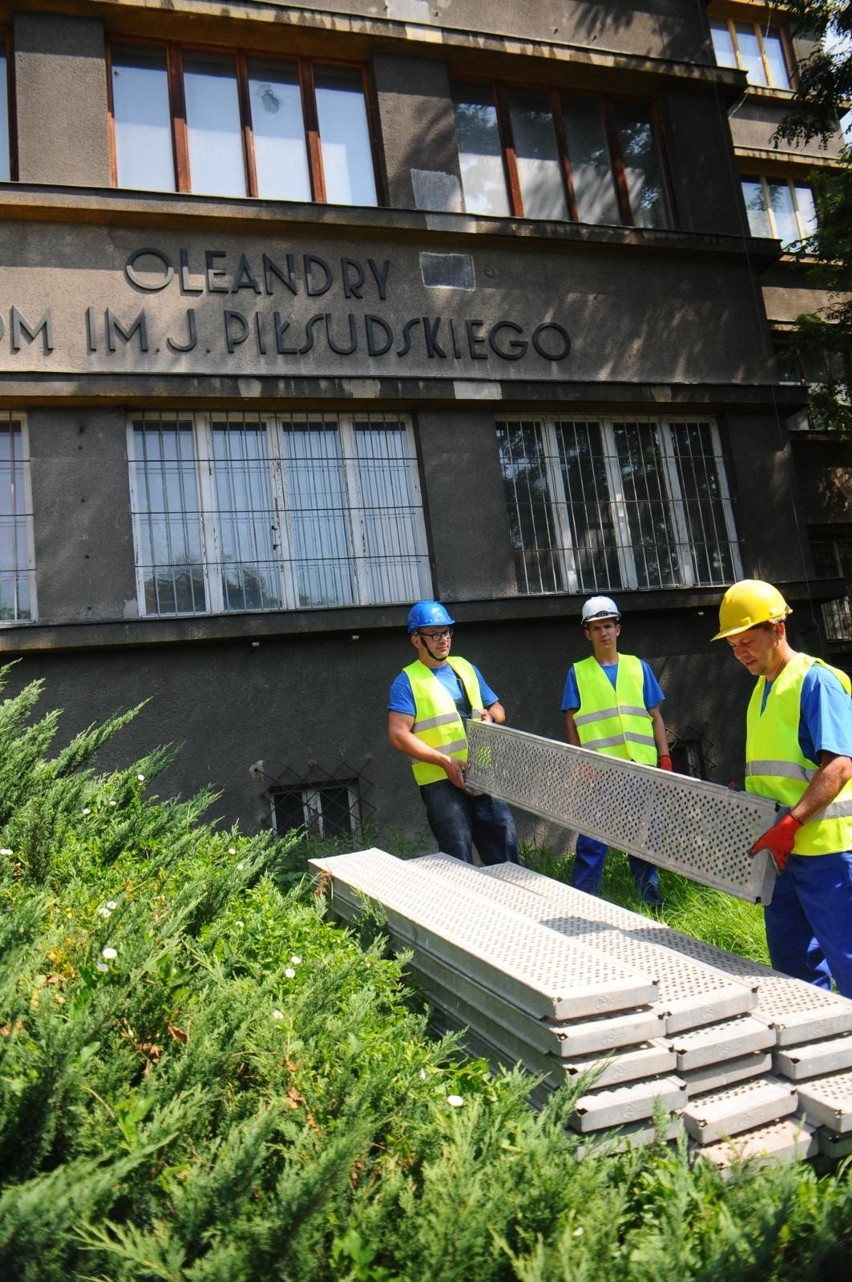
column 778, row 840
column 665, row 763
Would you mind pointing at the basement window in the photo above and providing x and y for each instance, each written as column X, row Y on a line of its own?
column 323, row 811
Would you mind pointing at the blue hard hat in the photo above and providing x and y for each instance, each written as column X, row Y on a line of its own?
column 428, row 614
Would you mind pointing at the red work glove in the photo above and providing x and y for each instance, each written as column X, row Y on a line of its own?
column 778, row 840
column 665, row 763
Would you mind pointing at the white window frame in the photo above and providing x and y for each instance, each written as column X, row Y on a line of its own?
column 560, row 503
column 23, row 561
column 769, row 212
column 354, row 515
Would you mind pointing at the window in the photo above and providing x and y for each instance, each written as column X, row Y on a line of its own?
column 756, row 49
column 324, row 810
column 541, row 154
column 5, row 147
column 237, row 512
column 780, row 208
column 833, row 558
column 226, row 124
column 17, row 567
column 601, row 504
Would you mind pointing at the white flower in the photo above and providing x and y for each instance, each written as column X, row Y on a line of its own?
column 289, row 972
column 141, row 778
column 104, row 911
column 422, row 1074
column 297, row 961
column 109, row 953
column 102, row 966
column 579, row 1232
column 111, row 905
column 239, row 923
column 455, row 1100
column 5, row 851
column 232, row 850
column 86, row 810
column 277, row 1014
column 113, row 803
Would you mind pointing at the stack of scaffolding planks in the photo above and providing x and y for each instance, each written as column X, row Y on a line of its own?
column 745, row 1060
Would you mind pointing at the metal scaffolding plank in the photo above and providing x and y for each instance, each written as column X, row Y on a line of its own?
column 562, row 1038
column 540, row 970
column 788, row 1140
column 724, row 1041
column 827, row 1102
column 690, row 993
column 742, row 1107
column 623, row 1065
column 622, row 1105
column 713, row 1077
column 816, row 1059
column 798, row 1012
column 693, row 827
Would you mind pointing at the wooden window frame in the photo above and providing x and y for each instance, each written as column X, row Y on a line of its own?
column 305, row 68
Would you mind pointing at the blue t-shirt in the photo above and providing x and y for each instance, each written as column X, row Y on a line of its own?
column 401, row 697
column 651, row 693
column 825, row 714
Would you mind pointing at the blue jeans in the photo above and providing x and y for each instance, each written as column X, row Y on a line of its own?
column 809, row 921
column 460, row 821
column 589, row 866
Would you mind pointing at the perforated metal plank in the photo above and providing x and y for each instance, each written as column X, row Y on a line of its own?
column 814, row 1059
column 699, row 829
column 621, row 1138
column 726, row 1040
column 543, row 972
column 560, row 1038
column 627, row 1065
column 827, row 1101
column 834, row 1146
column 690, row 993
column 738, row 1108
column 797, row 1011
column 788, row 1140
column 713, row 1077
column 625, row 1104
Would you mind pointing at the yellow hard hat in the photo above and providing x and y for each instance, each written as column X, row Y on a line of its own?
column 747, row 603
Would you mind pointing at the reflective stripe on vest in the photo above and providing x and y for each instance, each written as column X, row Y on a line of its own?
column 785, row 779
column 615, row 721
column 436, row 717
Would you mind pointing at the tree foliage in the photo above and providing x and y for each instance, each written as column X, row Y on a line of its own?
column 823, row 341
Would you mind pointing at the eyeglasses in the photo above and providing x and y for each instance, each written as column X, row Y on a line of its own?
column 435, row 636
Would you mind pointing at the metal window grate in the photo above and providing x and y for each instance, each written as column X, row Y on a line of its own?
column 236, row 512
column 609, row 504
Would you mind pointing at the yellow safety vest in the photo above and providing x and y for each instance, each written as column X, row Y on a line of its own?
column 436, row 717
column 776, row 766
column 615, row 721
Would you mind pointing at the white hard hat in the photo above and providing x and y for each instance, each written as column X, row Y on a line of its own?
column 599, row 607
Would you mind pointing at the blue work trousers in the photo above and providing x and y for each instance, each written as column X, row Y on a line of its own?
column 809, row 921
column 461, row 820
column 589, row 866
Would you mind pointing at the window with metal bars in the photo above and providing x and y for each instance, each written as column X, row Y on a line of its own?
column 603, row 504
column 538, row 153
column 326, row 810
column 237, row 512
column 240, row 124
column 757, row 48
column 17, row 565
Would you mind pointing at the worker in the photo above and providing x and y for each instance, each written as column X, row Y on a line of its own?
column 612, row 705
column 799, row 753
column 430, row 704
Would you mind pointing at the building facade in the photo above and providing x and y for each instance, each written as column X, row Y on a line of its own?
column 313, row 310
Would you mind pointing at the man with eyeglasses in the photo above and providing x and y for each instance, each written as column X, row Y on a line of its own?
column 430, row 703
